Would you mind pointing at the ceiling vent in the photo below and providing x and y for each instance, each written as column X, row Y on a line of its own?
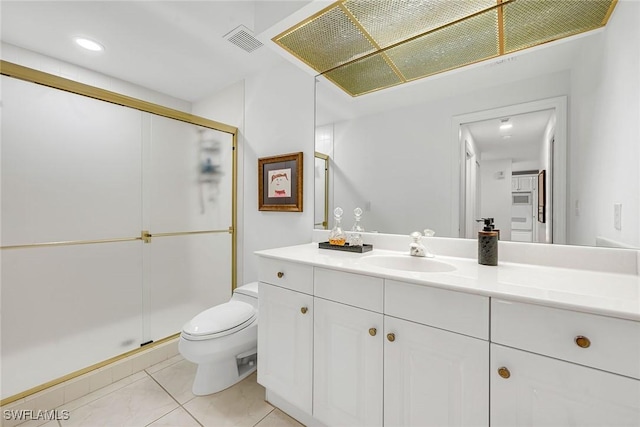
column 242, row 37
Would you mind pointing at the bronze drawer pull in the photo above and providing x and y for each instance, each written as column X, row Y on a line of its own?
column 582, row 342
column 504, row 372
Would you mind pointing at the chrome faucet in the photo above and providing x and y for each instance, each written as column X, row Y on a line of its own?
column 417, row 248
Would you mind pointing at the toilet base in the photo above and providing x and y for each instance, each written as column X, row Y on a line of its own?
column 214, row 377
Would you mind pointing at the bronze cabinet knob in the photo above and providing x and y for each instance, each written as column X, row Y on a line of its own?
column 504, row 372
column 373, row 332
column 280, row 274
column 391, row 337
column 304, row 310
column 582, row 342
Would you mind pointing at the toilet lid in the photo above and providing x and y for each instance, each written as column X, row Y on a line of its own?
column 220, row 318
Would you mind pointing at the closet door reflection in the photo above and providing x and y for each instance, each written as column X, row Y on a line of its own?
column 188, row 172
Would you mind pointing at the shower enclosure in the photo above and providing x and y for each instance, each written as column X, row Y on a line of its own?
column 118, row 225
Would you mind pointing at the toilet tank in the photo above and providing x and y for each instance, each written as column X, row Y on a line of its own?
column 247, row 293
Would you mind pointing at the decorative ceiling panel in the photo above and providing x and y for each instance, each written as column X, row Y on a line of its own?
column 367, row 45
column 466, row 42
column 390, row 21
column 533, row 22
column 327, row 41
column 365, row 75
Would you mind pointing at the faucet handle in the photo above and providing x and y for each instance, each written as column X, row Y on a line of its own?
column 429, row 233
column 416, row 236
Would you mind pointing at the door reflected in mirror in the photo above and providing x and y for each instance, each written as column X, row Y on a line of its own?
column 502, row 158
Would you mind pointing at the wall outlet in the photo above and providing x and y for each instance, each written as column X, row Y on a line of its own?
column 617, row 216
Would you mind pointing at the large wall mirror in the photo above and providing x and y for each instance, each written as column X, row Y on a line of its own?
column 546, row 141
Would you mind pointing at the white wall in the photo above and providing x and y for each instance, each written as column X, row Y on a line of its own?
column 603, row 160
column 59, row 68
column 495, row 198
column 279, row 119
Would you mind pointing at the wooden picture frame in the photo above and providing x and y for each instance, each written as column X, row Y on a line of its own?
column 542, row 197
column 280, row 183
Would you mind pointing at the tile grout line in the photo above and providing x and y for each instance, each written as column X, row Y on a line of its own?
column 273, row 408
column 175, row 400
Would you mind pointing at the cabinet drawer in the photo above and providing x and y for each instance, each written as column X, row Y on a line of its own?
column 290, row 275
column 607, row 343
column 353, row 289
column 454, row 311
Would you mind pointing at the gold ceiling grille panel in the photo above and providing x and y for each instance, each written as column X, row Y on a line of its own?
column 466, row 42
column 327, row 41
column 367, row 45
column 552, row 20
column 364, row 76
column 388, row 23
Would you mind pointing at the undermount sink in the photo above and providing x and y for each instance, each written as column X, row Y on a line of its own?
column 409, row 263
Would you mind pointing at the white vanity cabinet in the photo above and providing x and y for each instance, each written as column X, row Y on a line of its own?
column 285, row 332
column 435, row 375
column 381, row 351
column 348, row 349
column 554, row 367
column 431, row 376
column 347, row 386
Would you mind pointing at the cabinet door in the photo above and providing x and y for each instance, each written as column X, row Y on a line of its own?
column 285, row 344
column 347, row 365
column 433, row 377
column 515, row 186
column 525, row 183
column 541, row 391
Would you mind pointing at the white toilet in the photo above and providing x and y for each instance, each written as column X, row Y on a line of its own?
column 223, row 341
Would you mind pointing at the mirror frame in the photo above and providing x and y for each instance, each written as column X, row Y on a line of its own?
column 325, row 221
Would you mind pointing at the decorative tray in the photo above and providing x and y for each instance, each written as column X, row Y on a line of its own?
column 346, row 247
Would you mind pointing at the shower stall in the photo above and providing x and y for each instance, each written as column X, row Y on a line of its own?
column 118, row 225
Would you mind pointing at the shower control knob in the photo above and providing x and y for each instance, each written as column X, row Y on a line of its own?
column 280, row 274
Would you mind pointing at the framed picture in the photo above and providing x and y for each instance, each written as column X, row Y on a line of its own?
column 280, row 183
column 542, row 196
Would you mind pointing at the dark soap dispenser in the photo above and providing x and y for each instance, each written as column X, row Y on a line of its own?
column 488, row 244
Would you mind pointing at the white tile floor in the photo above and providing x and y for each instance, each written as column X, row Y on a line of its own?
column 160, row 396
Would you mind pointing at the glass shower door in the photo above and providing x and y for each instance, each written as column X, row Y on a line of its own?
column 187, row 209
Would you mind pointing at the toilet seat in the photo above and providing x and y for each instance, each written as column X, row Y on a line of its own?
column 218, row 321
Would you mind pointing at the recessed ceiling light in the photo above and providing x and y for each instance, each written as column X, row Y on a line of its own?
column 89, row 44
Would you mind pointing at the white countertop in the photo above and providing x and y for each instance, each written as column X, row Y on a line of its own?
column 610, row 294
